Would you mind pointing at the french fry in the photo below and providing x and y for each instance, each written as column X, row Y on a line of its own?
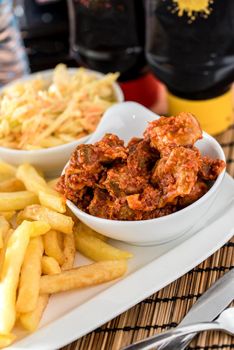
column 20, row 217
column 35, row 183
column 84, row 276
column 52, row 183
column 8, row 215
column 27, row 277
column 6, row 340
column 28, row 291
column 31, row 178
column 3, row 250
column 97, row 250
column 4, row 224
column 39, row 228
column 7, row 171
column 69, row 251
column 52, row 246
column 57, row 221
column 4, row 227
column 16, row 200
column 81, row 227
column 49, row 265
column 72, row 215
column 15, row 251
column 31, row 320
column 60, row 236
column 52, row 201
column 11, row 185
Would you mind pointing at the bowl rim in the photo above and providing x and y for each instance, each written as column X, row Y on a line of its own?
column 178, row 213
column 119, row 98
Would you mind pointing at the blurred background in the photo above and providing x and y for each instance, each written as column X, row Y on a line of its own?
column 45, row 32
column 53, row 29
column 188, row 45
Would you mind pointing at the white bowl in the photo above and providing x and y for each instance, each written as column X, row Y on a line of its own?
column 50, row 160
column 130, row 119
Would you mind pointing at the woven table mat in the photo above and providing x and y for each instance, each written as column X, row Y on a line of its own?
column 166, row 308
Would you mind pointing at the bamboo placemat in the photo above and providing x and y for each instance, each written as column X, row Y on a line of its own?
column 166, row 308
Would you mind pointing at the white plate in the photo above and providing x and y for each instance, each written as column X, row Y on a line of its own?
column 71, row 315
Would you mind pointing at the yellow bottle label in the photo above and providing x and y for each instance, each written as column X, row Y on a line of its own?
column 215, row 115
column 192, row 8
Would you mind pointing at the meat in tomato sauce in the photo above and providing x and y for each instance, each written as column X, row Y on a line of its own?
column 148, row 178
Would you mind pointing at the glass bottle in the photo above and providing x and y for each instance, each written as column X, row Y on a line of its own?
column 109, row 36
column 190, row 48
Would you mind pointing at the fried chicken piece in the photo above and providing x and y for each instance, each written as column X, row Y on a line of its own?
column 141, row 157
column 148, row 200
column 104, row 206
column 157, row 213
column 87, row 161
column 121, row 211
column 60, row 185
column 211, row 168
column 81, row 197
column 84, row 168
column 120, row 182
column 101, row 205
column 110, row 148
column 85, row 156
column 176, row 174
column 168, row 132
column 198, row 190
column 133, row 142
column 111, row 181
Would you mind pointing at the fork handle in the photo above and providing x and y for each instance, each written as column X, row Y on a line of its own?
column 178, row 343
column 157, row 341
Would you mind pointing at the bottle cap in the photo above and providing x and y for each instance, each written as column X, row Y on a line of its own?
column 215, row 114
column 143, row 90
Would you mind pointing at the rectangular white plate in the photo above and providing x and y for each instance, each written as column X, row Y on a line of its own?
column 71, row 315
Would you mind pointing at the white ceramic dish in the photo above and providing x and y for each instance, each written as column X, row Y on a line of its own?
column 71, row 315
column 130, row 119
column 49, row 160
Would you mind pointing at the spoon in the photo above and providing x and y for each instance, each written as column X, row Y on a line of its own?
column 225, row 322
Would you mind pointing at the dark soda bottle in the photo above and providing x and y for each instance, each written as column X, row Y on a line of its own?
column 190, row 48
column 109, row 35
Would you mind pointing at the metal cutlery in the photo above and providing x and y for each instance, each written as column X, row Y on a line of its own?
column 225, row 322
column 206, row 309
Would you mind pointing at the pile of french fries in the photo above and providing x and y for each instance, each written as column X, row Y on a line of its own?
column 38, row 243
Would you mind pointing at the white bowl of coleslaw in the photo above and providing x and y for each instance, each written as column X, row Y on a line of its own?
column 50, row 153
